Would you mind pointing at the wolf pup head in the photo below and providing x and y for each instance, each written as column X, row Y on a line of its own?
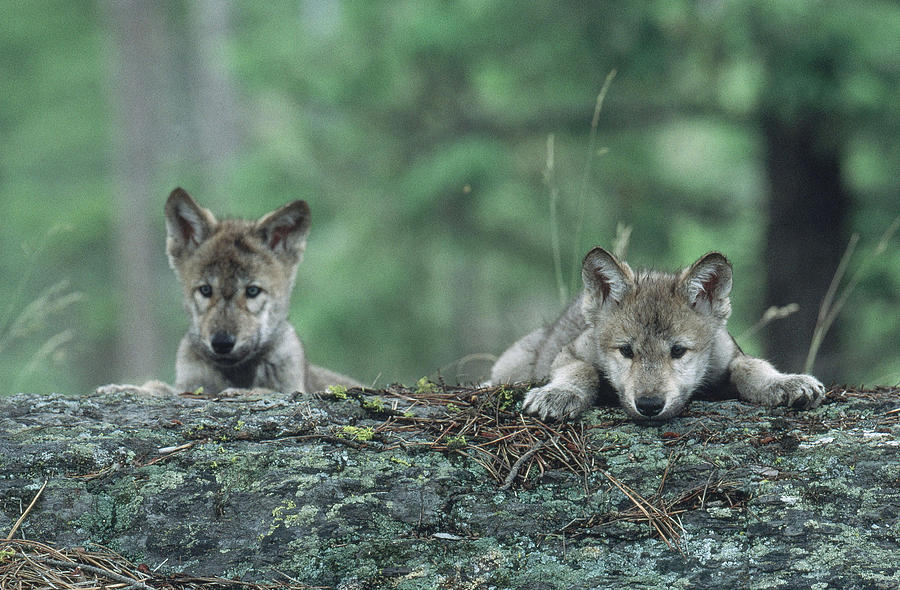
column 237, row 275
column 654, row 331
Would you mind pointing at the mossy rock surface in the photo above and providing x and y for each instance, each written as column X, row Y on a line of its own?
column 352, row 492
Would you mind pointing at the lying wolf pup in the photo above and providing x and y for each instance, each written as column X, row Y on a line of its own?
column 236, row 278
column 653, row 339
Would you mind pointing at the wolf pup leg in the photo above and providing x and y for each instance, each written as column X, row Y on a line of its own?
column 759, row 382
column 150, row 388
column 572, row 388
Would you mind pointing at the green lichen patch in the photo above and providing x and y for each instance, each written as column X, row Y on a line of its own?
column 373, row 404
column 357, row 433
column 338, row 391
column 424, row 386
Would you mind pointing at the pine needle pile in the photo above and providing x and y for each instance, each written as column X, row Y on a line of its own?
column 31, row 565
column 483, row 425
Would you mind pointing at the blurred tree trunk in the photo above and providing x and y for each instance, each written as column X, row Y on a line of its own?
column 215, row 109
column 138, row 31
column 152, row 117
column 808, row 207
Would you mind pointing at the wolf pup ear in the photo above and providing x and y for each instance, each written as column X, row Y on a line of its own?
column 707, row 284
column 604, row 277
column 187, row 224
column 284, row 230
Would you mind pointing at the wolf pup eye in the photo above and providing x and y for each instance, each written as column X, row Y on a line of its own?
column 677, row 351
column 205, row 290
column 252, row 291
column 626, row 351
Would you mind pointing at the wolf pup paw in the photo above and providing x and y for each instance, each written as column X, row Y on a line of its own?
column 553, row 402
column 114, row 388
column 797, row 391
column 244, row 392
column 150, row 388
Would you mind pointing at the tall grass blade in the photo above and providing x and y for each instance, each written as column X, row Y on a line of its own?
column 44, row 354
column 31, row 255
column 623, row 238
column 829, row 309
column 770, row 315
column 550, row 181
column 585, row 179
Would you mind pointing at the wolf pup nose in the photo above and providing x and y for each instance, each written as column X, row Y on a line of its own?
column 237, row 277
column 649, row 406
column 222, row 342
column 651, row 338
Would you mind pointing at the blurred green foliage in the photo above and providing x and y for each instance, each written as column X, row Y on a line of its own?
column 417, row 131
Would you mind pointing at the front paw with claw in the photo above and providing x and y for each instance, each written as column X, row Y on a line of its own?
column 555, row 402
column 797, row 391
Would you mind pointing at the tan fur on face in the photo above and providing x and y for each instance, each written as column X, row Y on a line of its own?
column 230, row 260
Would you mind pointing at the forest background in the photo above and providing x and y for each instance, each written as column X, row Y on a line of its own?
column 456, row 166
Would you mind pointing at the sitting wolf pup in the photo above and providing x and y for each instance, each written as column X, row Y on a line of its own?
column 653, row 339
column 237, row 278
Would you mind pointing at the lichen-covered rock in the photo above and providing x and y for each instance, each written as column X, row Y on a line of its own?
column 403, row 489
